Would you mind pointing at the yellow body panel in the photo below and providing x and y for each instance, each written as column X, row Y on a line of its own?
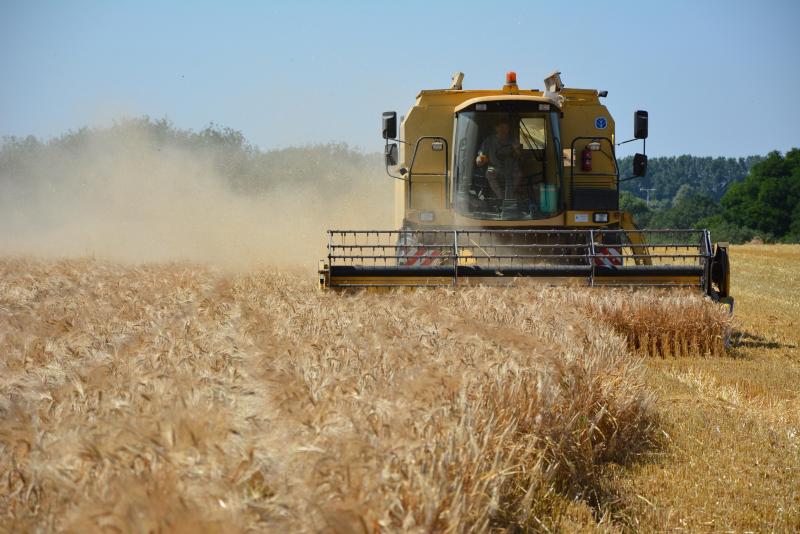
column 433, row 114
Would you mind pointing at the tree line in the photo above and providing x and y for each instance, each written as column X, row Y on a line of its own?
column 738, row 199
column 27, row 162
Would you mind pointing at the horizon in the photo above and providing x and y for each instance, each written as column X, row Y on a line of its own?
column 98, row 128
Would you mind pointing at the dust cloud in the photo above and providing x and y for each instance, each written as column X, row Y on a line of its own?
column 127, row 196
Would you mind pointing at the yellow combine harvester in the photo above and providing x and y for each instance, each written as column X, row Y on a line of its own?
column 497, row 184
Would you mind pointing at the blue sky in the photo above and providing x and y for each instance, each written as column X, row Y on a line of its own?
column 718, row 78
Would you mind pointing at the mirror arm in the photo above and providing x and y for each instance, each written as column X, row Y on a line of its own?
column 396, row 177
column 387, row 165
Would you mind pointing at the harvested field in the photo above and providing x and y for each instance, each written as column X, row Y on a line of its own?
column 731, row 461
column 182, row 398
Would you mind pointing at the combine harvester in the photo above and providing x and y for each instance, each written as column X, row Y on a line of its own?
column 492, row 185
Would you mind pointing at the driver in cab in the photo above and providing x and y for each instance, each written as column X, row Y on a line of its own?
column 502, row 154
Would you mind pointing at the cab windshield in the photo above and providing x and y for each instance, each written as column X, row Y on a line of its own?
column 508, row 161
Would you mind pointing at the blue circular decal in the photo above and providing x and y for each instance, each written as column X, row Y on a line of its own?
column 600, row 123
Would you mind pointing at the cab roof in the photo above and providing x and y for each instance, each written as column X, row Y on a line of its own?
column 507, row 97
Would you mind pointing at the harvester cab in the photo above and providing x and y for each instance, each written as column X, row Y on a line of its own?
column 491, row 185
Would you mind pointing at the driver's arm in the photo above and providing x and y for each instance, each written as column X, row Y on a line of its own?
column 482, row 158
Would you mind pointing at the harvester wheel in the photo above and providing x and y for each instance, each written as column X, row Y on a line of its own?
column 721, row 271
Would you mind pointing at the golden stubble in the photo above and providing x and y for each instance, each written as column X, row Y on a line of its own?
column 731, row 425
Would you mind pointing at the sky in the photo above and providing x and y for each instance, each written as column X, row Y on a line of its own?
column 718, row 78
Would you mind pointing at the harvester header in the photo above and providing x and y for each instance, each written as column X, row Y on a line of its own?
column 497, row 184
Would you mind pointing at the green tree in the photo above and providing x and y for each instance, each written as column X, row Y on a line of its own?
column 767, row 200
column 686, row 212
column 684, row 192
column 794, row 229
column 636, row 207
column 722, row 230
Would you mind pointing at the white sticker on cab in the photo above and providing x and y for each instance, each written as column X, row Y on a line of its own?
column 581, row 217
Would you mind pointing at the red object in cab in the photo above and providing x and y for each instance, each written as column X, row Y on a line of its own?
column 586, row 159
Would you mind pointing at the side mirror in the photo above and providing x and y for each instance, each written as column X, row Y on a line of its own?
column 390, row 154
column 640, row 125
column 389, row 125
column 639, row 165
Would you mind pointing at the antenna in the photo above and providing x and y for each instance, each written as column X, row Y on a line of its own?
column 648, row 190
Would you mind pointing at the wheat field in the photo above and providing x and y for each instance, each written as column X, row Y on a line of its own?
column 178, row 397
